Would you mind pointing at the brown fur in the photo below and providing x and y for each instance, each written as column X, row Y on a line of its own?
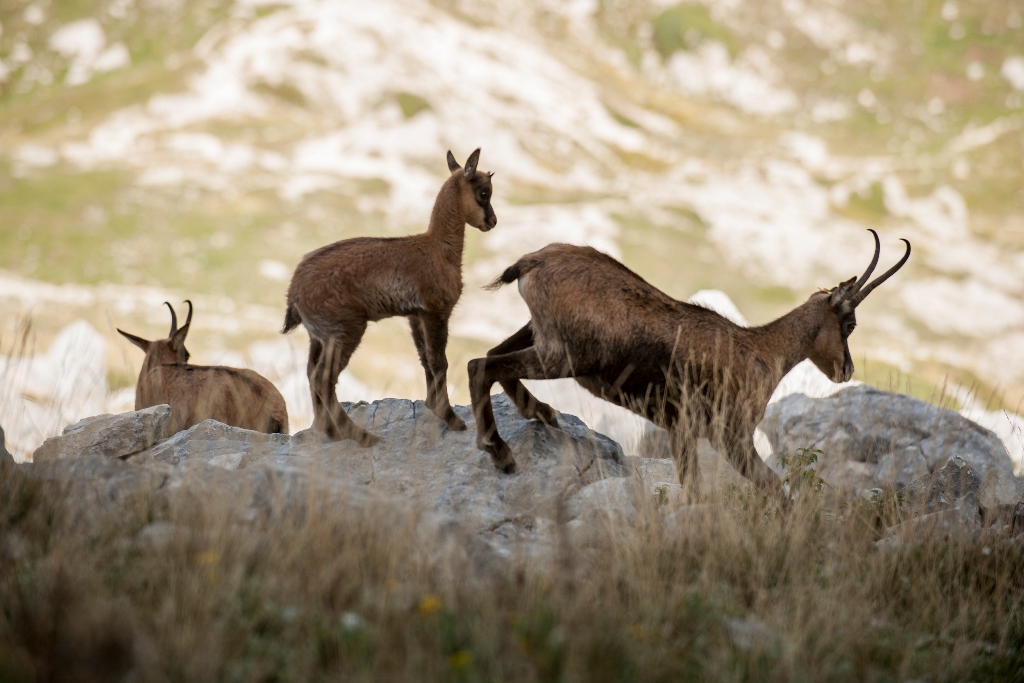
column 241, row 398
column 688, row 369
column 337, row 289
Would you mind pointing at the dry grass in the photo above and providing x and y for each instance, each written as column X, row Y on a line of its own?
column 331, row 590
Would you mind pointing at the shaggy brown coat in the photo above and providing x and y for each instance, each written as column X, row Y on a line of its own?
column 687, row 368
column 236, row 397
column 337, row 289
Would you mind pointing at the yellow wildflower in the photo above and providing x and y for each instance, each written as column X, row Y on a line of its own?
column 429, row 604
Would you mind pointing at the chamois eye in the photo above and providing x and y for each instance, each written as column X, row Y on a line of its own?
column 850, row 327
column 484, row 195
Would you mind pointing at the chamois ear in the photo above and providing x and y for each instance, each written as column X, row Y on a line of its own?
column 138, row 341
column 178, row 338
column 843, row 291
column 453, row 165
column 471, row 163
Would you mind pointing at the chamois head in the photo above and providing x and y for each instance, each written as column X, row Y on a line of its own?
column 474, row 188
column 830, row 351
column 165, row 351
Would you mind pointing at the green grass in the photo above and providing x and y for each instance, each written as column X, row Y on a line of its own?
column 411, row 104
column 684, row 27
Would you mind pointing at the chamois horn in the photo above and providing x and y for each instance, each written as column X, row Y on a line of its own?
column 174, row 319
column 862, row 293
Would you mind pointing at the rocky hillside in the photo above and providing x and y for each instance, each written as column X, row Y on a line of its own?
column 157, row 150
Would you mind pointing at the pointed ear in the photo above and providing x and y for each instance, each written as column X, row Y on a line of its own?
column 842, row 291
column 138, row 341
column 178, row 339
column 471, row 163
column 453, row 165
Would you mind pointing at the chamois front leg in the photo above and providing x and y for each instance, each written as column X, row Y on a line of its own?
column 738, row 448
column 527, row 404
column 435, row 333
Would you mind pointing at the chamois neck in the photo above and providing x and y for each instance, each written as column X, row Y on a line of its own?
column 792, row 335
column 447, row 224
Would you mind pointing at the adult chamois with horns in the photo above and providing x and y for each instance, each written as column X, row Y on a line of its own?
column 236, row 397
column 690, row 370
column 337, row 289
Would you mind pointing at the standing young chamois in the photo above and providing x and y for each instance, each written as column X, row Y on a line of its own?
column 240, row 398
column 687, row 368
column 337, row 289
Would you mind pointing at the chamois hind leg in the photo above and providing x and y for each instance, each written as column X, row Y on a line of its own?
column 483, row 373
column 335, row 356
column 527, row 404
column 435, row 334
column 321, row 419
column 683, row 441
column 416, row 328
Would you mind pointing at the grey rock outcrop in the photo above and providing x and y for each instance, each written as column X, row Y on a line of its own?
column 418, row 460
column 872, row 438
column 952, row 502
column 960, row 519
column 949, row 486
column 113, row 436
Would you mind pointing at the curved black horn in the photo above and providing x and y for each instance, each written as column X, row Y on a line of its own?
column 188, row 319
column 174, row 319
column 871, row 268
column 859, row 296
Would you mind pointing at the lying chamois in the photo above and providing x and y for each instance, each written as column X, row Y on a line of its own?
column 240, row 398
column 336, row 290
column 686, row 368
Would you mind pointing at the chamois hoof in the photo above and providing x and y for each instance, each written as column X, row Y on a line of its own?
column 501, row 454
column 455, row 423
column 550, row 420
column 366, row 439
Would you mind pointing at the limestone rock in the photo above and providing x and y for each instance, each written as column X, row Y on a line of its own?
column 88, row 484
column 960, row 520
column 217, row 444
column 1017, row 526
column 608, row 500
column 943, row 488
column 115, row 436
column 418, row 460
column 751, row 634
column 999, row 490
column 1000, row 497
column 872, row 438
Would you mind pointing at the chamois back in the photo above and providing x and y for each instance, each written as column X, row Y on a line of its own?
column 234, row 396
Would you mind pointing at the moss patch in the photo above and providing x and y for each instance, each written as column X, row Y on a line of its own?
column 684, row 27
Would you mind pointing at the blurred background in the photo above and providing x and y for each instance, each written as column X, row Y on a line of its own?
column 156, row 150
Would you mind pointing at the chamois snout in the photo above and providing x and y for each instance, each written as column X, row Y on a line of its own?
column 830, row 352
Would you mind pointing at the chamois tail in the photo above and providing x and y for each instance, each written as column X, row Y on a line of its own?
column 512, row 273
column 291, row 318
